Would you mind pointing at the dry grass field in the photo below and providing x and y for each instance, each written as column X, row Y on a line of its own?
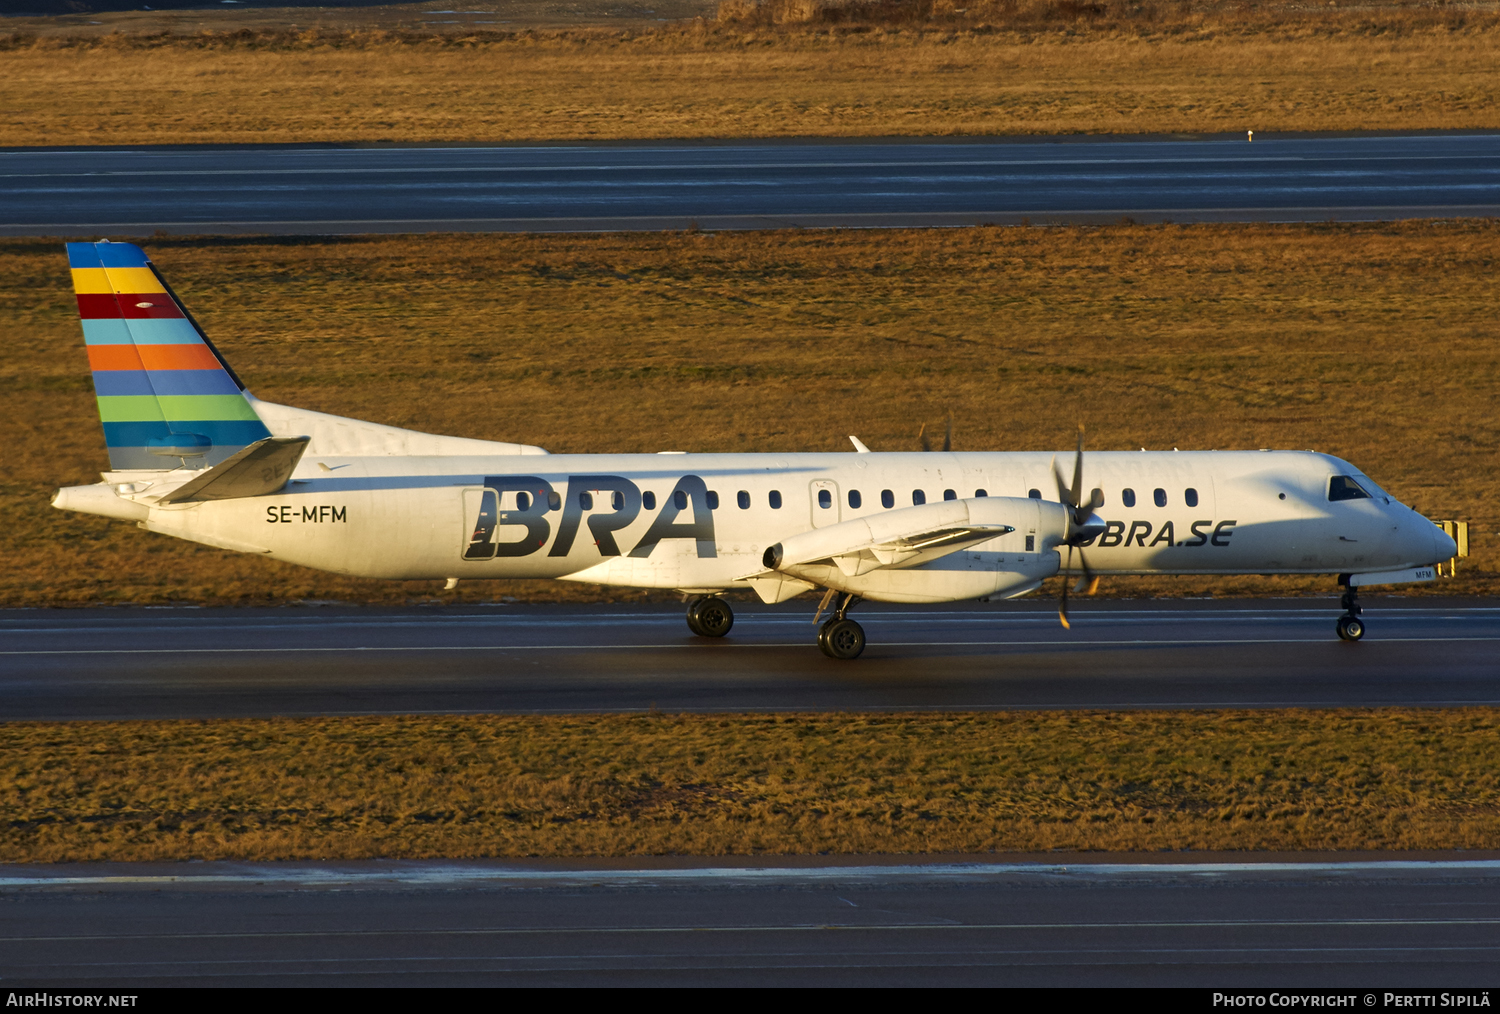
column 784, row 69
column 343, row 788
column 1373, row 342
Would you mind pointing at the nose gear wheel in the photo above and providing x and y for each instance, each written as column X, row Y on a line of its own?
column 1350, row 627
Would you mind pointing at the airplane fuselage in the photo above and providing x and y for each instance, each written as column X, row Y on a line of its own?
column 704, row 521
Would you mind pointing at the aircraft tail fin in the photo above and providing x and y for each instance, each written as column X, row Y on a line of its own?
column 164, row 391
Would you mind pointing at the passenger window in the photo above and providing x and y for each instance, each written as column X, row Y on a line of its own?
column 1159, row 497
column 1343, row 487
column 554, row 501
column 1097, row 496
column 648, row 500
column 948, row 494
column 918, row 498
column 981, row 492
column 1190, row 497
column 825, row 499
column 854, row 499
column 1127, row 497
column 775, row 499
column 586, row 500
column 887, row 498
column 713, row 499
column 744, row 499
column 523, row 501
column 1035, row 494
column 679, row 499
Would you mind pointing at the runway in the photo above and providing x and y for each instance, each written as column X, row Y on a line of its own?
column 1049, row 920
column 742, row 185
column 192, row 663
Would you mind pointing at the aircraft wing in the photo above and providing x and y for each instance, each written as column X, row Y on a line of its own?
column 907, row 537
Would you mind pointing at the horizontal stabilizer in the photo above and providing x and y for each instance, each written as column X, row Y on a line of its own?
column 263, row 467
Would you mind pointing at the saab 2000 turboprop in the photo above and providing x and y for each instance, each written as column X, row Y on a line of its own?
column 194, row 455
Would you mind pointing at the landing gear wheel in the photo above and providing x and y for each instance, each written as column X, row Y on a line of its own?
column 842, row 639
column 1351, row 628
column 710, row 617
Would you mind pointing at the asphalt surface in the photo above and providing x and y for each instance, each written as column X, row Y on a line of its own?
column 1369, row 927
column 171, row 663
column 740, row 185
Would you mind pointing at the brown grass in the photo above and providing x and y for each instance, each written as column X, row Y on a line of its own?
column 715, row 785
column 1372, row 342
column 997, row 69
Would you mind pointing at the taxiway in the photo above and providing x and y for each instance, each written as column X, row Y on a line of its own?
column 1220, row 922
column 322, row 189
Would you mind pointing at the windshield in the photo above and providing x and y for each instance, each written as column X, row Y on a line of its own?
column 1343, row 487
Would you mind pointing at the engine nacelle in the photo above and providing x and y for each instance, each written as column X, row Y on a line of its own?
column 942, row 552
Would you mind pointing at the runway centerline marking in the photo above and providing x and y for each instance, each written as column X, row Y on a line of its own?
column 786, row 928
column 416, row 875
column 736, row 644
column 1303, row 164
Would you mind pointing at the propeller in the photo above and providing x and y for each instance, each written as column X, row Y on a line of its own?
column 1083, row 526
column 947, row 436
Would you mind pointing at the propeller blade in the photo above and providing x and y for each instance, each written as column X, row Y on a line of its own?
column 922, row 437
column 1088, row 582
column 1062, row 603
column 1077, row 489
column 1062, row 484
column 948, row 434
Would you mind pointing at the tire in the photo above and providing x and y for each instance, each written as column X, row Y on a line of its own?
column 842, row 639
column 1352, row 628
column 692, row 619
column 712, row 616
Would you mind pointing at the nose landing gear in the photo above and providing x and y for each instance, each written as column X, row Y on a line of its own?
column 709, row 616
column 1350, row 626
column 841, row 637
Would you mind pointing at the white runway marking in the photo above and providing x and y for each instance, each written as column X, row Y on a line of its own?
column 702, row 645
column 445, row 876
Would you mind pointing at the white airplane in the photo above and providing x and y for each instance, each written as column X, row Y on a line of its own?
column 194, row 455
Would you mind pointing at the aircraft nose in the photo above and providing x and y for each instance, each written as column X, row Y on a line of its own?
column 1443, row 546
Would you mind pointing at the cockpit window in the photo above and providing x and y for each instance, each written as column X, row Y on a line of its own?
column 1343, row 487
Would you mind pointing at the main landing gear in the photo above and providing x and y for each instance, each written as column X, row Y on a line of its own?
column 841, row 637
column 709, row 616
column 1350, row 626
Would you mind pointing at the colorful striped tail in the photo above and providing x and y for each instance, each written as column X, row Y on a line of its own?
column 164, row 391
